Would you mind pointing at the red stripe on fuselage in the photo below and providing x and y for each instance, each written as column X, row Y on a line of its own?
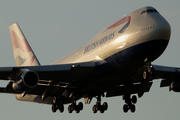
column 128, row 18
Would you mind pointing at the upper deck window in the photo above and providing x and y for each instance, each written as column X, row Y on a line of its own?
column 149, row 11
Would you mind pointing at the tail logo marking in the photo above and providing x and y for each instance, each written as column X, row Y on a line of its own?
column 19, row 43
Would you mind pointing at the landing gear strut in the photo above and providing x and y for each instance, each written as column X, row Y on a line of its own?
column 99, row 107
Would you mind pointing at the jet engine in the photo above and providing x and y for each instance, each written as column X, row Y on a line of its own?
column 175, row 86
column 26, row 81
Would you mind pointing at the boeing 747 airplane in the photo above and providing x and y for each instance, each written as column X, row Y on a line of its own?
column 116, row 62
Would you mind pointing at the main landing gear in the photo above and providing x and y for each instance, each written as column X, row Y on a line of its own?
column 130, row 103
column 99, row 107
column 71, row 107
column 59, row 106
column 75, row 107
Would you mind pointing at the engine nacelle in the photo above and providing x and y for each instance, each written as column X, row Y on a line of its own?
column 175, row 86
column 26, row 81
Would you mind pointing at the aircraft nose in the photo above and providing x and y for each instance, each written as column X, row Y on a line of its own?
column 163, row 29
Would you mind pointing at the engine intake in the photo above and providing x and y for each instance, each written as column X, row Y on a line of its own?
column 26, row 81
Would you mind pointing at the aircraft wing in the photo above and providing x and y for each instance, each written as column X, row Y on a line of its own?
column 170, row 76
column 165, row 72
column 70, row 73
column 49, row 75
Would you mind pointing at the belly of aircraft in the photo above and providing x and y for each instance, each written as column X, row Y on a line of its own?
column 137, row 55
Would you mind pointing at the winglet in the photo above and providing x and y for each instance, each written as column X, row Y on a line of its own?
column 23, row 54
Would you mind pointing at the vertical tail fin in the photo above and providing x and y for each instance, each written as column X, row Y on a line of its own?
column 23, row 54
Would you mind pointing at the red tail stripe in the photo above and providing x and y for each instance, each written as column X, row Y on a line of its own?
column 19, row 43
column 31, row 61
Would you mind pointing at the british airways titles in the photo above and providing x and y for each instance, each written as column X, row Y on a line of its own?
column 99, row 42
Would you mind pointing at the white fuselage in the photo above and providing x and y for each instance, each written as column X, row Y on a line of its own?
column 142, row 28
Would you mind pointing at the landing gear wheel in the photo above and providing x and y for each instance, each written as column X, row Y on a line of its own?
column 70, row 109
column 132, row 108
column 145, row 74
column 77, row 111
column 94, row 109
column 102, row 111
column 54, row 108
column 105, row 105
column 80, row 105
column 98, row 105
column 61, row 108
column 125, row 108
column 134, row 99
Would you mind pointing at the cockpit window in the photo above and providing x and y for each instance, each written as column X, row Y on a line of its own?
column 149, row 11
